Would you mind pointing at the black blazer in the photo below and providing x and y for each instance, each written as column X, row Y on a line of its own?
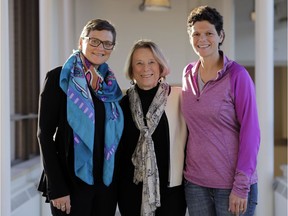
column 54, row 137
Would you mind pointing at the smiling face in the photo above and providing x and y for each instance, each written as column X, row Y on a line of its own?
column 205, row 39
column 145, row 68
column 96, row 55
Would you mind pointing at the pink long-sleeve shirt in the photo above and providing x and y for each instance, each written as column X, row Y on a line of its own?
column 224, row 134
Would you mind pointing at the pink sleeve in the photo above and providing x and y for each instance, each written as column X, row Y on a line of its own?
column 249, row 139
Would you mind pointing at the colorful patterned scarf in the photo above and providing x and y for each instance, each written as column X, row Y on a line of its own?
column 81, row 115
column 144, row 158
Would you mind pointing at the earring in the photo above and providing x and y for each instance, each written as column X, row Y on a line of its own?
column 132, row 82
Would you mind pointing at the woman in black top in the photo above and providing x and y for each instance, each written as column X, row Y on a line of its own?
column 152, row 146
column 79, row 128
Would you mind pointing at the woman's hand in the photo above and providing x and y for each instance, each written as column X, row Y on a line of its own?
column 62, row 203
column 237, row 205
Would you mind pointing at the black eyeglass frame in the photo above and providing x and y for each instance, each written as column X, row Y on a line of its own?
column 104, row 43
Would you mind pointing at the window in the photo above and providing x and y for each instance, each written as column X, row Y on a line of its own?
column 24, row 79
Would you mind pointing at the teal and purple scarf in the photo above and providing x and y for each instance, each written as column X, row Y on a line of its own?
column 81, row 116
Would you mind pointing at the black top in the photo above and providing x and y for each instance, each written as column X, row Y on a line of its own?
column 58, row 154
column 129, row 192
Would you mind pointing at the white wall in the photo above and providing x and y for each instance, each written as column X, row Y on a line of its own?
column 167, row 29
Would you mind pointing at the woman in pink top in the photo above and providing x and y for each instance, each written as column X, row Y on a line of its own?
column 219, row 107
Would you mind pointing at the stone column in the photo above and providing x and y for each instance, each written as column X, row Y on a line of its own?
column 5, row 169
column 264, row 79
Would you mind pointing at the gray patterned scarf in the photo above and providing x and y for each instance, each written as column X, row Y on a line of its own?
column 144, row 158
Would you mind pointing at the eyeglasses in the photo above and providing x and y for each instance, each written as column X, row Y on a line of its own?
column 95, row 42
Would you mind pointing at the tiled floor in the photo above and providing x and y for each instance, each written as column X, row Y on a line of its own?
column 118, row 214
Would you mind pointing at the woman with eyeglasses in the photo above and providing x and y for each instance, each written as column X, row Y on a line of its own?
column 152, row 146
column 79, row 127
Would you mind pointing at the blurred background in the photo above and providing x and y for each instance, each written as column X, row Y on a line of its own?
column 38, row 35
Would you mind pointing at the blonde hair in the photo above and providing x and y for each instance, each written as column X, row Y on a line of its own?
column 160, row 58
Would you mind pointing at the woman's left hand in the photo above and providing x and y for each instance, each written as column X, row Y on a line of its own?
column 62, row 203
column 237, row 205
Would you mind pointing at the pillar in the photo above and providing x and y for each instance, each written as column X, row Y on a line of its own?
column 264, row 74
column 5, row 170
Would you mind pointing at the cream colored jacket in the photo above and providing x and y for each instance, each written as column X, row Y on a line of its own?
column 178, row 136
